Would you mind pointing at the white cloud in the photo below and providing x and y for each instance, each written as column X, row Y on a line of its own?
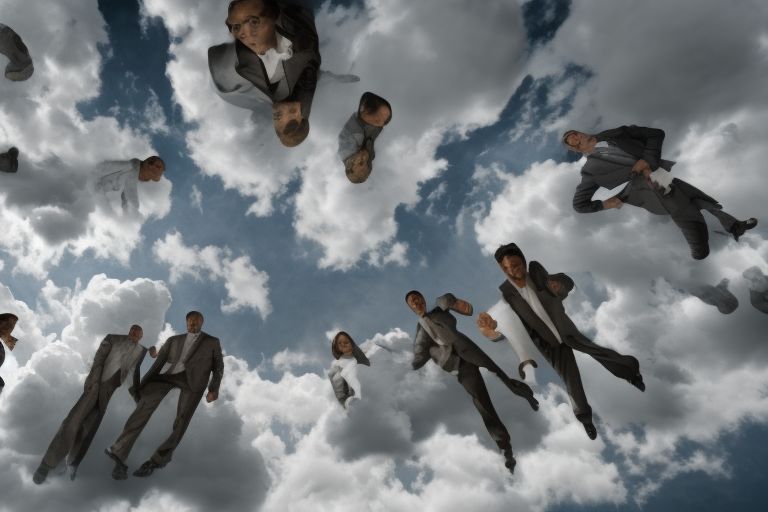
column 196, row 198
column 247, row 286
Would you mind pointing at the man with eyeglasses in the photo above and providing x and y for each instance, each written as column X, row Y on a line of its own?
column 273, row 60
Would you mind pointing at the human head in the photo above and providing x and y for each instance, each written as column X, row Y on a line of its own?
column 416, row 302
column 579, row 142
column 194, row 321
column 358, row 166
column 342, row 345
column 151, row 169
column 512, row 261
column 291, row 128
column 135, row 333
column 7, row 323
column 252, row 22
column 374, row 110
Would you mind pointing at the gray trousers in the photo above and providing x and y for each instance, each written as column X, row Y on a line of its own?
column 152, row 393
column 79, row 427
column 563, row 361
column 472, row 381
column 475, row 356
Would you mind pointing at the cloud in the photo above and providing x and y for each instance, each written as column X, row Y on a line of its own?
column 247, row 286
column 430, row 95
column 46, row 205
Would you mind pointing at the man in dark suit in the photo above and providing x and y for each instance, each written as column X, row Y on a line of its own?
column 437, row 338
column 118, row 356
column 537, row 298
column 632, row 155
column 189, row 362
column 274, row 60
column 7, row 324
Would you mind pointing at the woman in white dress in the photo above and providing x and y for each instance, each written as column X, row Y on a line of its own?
column 343, row 372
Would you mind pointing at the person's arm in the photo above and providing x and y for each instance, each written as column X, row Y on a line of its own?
column 449, row 301
column 421, row 343
column 582, row 197
column 134, row 389
column 653, row 140
column 217, row 373
column 94, row 375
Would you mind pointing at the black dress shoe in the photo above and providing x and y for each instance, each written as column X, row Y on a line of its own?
column 741, row 226
column 510, row 461
column 41, row 473
column 147, row 468
column 120, row 472
column 637, row 381
column 591, row 430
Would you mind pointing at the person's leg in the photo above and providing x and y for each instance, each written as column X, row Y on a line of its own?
column 476, row 356
column 92, row 422
column 151, row 396
column 188, row 401
column 624, row 367
column 564, row 363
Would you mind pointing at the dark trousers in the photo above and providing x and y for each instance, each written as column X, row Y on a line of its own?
column 563, row 361
column 474, row 355
column 76, row 432
column 473, row 383
column 151, row 394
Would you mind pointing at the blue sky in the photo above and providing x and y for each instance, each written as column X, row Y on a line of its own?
column 466, row 164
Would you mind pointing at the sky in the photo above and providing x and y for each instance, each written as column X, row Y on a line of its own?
column 279, row 251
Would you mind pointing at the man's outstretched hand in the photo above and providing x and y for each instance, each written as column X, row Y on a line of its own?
column 612, row 202
column 487, row 326
column 642, row 167
column 211, row 396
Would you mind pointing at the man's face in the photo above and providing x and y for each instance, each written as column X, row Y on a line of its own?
column 248, row 25
column 579, row 141
column 513, row 267
column 417, row 303
column 344, row 344
column 284, row 112
column 135, row 334
column 194, row 324
column 379, row 118
column 151, row 169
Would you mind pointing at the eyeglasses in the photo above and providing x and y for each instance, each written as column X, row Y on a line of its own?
column 251, row 21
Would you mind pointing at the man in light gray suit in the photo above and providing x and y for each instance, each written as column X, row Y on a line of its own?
column 537, row 298
column 632, row 155
column 189, row 362
column 117, row 357
column 437, row 338
column 273, row 60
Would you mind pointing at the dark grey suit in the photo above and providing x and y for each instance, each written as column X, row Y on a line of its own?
column 204, row 362
column 684, row 203
column 240, row 77
column 462, row 354
column 560, row 355
column 76, row 432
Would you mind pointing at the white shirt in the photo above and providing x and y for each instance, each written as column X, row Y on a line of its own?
column 178, row 366
column 426, row 324
column 120, row 176
column 661, row 177
column 533, row 300
column 122, row 357
column 273, row 63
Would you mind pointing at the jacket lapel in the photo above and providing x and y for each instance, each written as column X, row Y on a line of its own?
column 526, row 313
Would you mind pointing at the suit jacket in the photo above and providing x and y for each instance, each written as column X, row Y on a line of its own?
column 241, row 79
column 553, row 305
column 444, row 323
column 102, row 357
column 2, row 360
column 204, row 362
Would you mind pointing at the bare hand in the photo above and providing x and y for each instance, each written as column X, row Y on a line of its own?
column 211, row 396
column 641, row 166
column 612, row 202
column 554, row 286
column 487, row 325
column 152, row 352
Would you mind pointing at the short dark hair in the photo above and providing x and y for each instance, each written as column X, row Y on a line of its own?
column 334, row 344
column 564, row 139
column 370, row 104
column 4, row 317
column 510, row 249
column 413, row 292
column 136, row 326
column 294, row 133
column 271, row 8
column 195, row 313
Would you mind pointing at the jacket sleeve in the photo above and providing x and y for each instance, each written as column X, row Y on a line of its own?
column 217, row 373
column 421, row 343
column 133, row 390
column 582, row 198
column 653, row 139
column 94, row 375
column 540, row 276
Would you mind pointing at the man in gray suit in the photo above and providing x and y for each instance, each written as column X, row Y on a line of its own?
column 537, row 298
column 437, row 338
column 189, row 362
column 7, row 324
column 632, row 155
column 359, row 133
column 20, row 66
column 118, row 356
column 273, row 60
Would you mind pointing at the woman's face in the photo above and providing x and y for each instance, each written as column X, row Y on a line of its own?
column 344, row 344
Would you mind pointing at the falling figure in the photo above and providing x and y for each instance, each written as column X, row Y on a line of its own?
column 343, row 372
column 359, row 133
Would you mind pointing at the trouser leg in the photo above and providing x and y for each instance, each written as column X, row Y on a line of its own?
column 624, row 367
column 694, row 229
column 151, row 395
column 476, row 356
column 726, row 219
column 188, row 401
column 472, row 381
column 68, row 431
column 564, row 363
column 92, row 422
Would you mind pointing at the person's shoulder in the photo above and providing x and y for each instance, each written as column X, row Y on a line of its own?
column 221, row 56
column 206, row 336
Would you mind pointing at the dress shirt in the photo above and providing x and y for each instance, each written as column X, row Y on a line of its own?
column 178, row 366
column 120, row 176
column 527, row 293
